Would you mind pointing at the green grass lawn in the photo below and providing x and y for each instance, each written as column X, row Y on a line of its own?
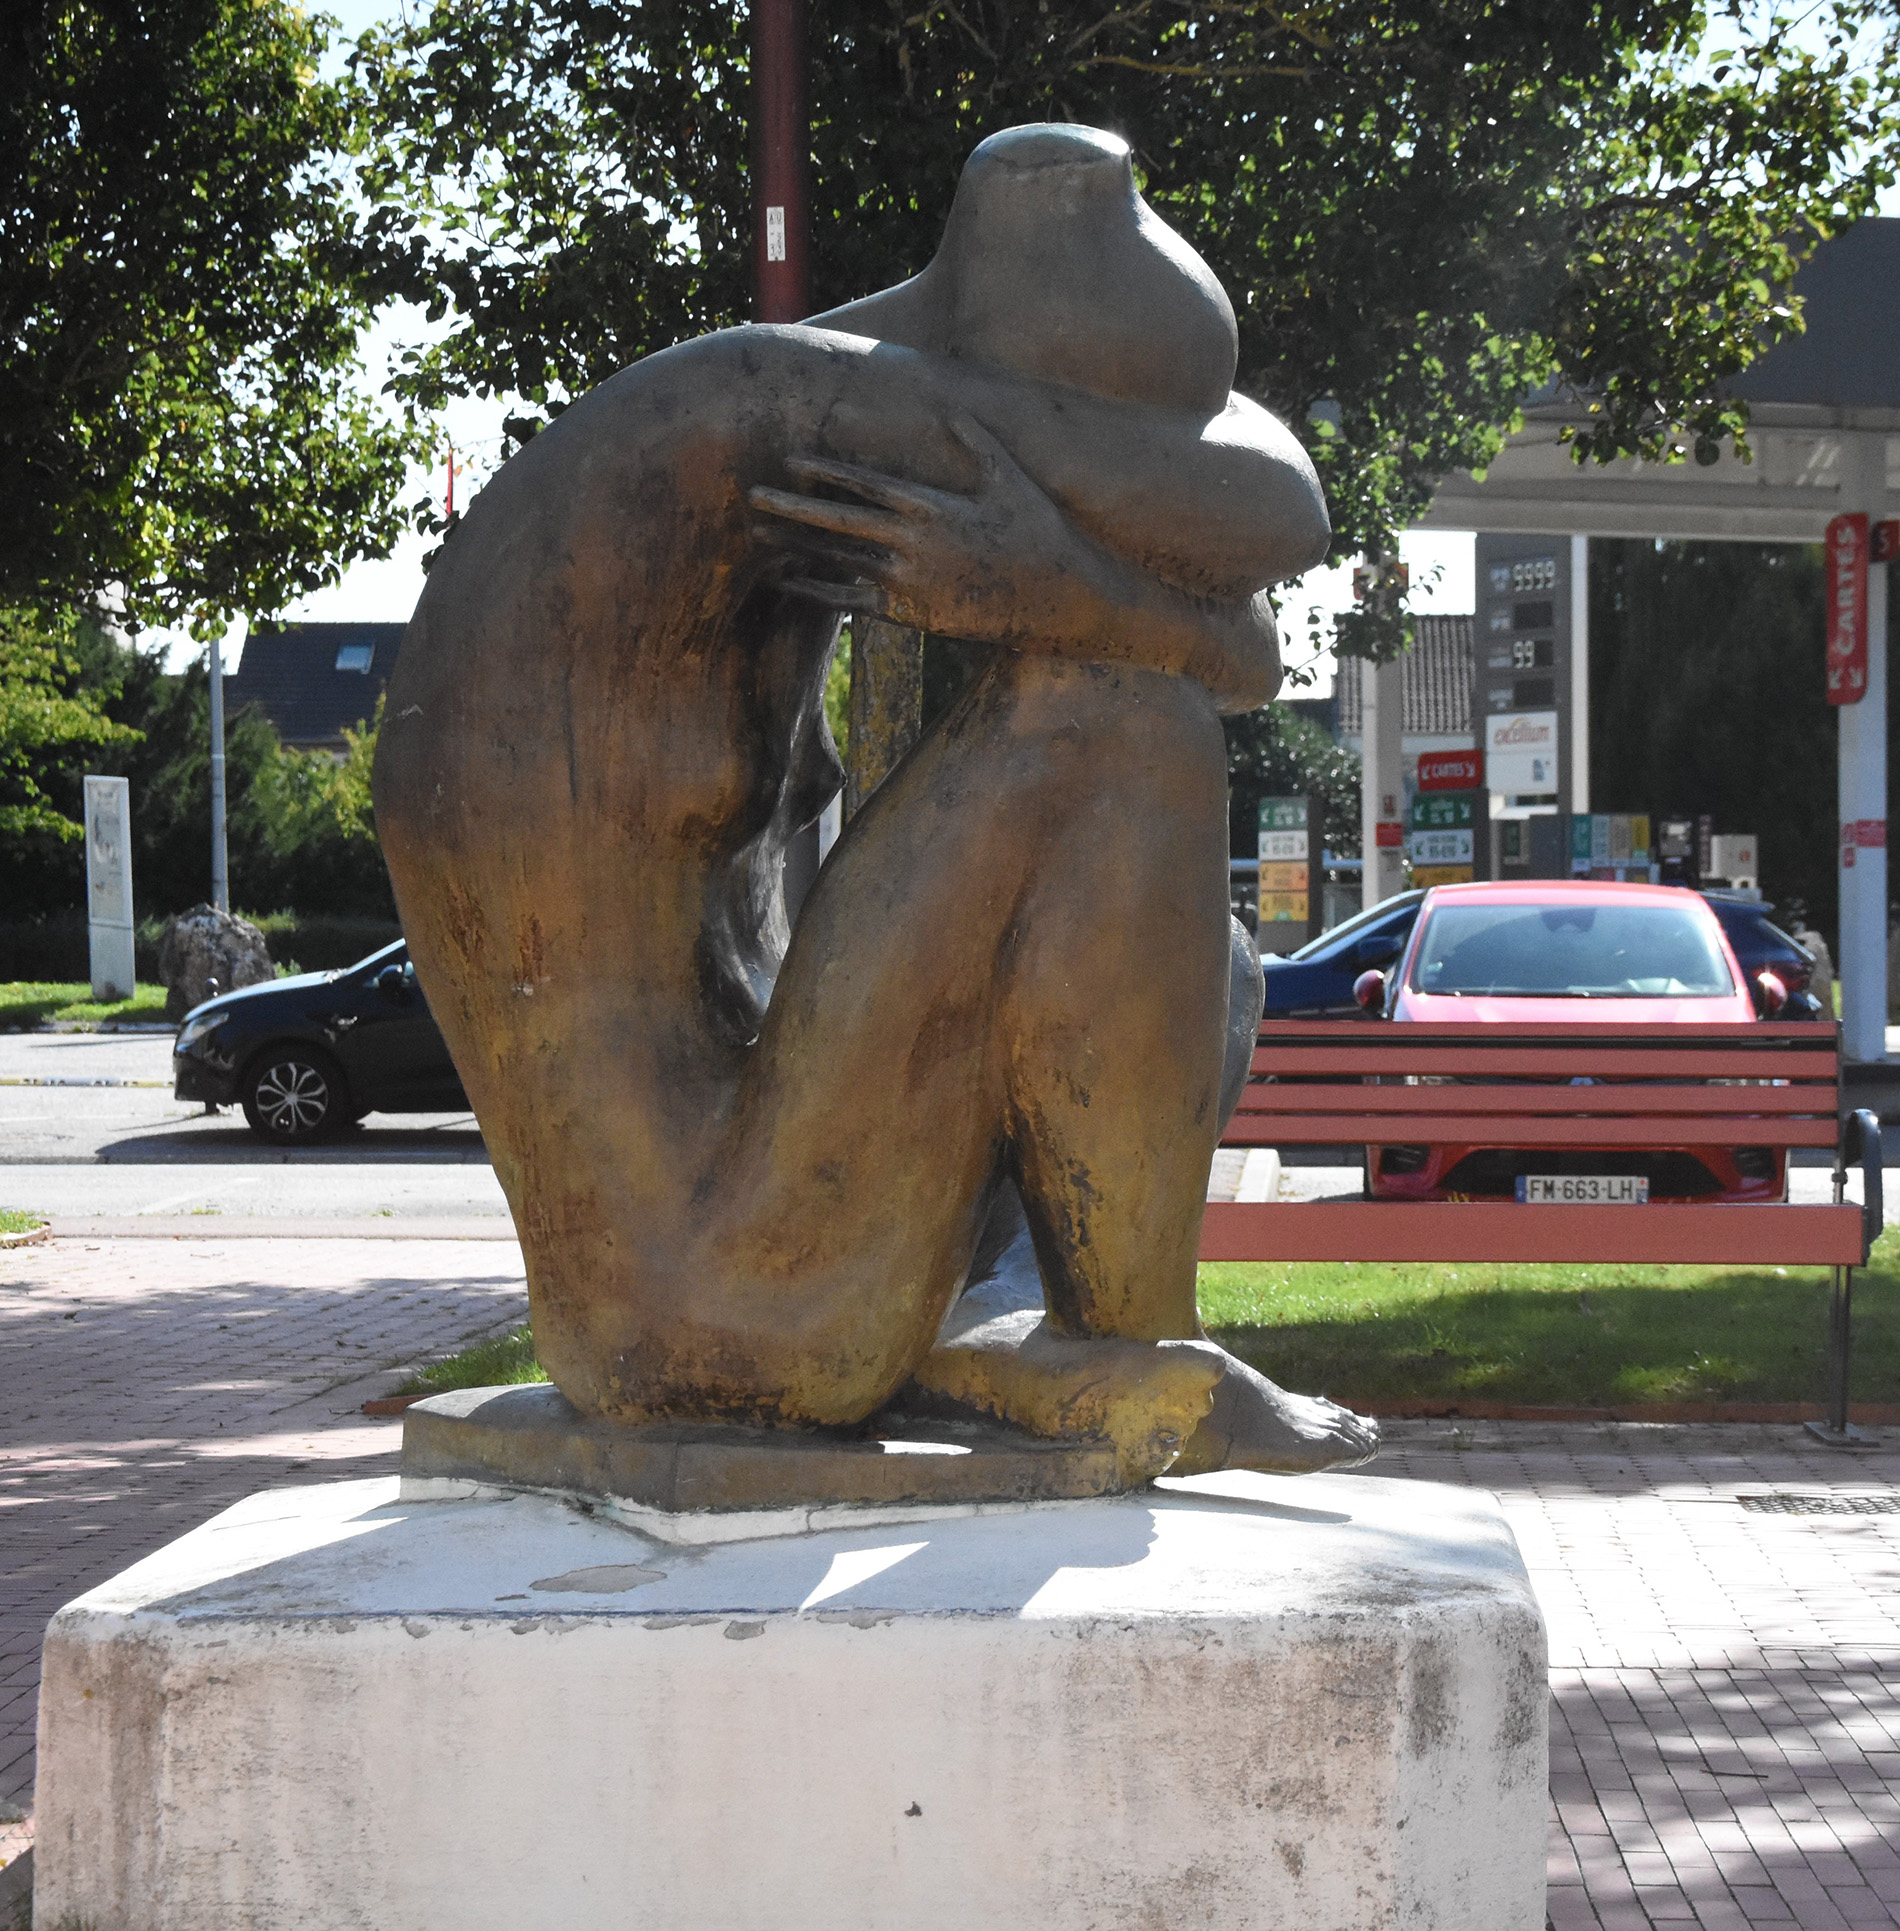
column 1554, row 1336
column 27, row 1003
column 488, row 1364
column 1584, row 1337
column 13, row 1221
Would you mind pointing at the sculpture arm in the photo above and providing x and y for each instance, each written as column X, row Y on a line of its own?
column 1005, row 566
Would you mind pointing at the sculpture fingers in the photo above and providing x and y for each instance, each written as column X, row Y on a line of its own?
column 892, row 492
column 839, row 596
column 820, row 513
column 808, row 549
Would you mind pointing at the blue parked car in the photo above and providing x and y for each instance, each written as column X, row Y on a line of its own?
column 1316, row 982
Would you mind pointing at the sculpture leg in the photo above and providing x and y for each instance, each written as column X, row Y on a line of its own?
column 965, row 986
column 1119, row 990
column 1016, row 956
column 1116, row 1017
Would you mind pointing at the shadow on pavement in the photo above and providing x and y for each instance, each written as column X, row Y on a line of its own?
column 227, row 1141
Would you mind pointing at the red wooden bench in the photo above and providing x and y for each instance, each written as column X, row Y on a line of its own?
column 1367, row 1084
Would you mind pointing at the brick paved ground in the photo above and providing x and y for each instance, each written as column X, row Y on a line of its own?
column 1725, row 1685
column 1725, row 1725
column 149, row 1383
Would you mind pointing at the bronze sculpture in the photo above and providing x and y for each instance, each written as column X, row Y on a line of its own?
column 750, row 1180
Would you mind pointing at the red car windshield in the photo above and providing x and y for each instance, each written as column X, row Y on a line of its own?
column 1571, row 951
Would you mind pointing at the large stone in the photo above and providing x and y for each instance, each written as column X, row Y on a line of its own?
column 204, row 952
column 1233, row 1701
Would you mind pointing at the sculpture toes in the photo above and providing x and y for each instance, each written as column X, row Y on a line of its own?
column 1256, row 1425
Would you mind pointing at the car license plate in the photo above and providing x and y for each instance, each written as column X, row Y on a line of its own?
column 1583, row 1189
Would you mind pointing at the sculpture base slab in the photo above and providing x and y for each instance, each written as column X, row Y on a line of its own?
column 1230, row 1701
column 671, row 1478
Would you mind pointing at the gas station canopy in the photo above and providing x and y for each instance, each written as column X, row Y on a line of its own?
column 1824, row 436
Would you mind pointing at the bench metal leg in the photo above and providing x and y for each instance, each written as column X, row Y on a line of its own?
column 1837, row 1431
column 1859, row 1141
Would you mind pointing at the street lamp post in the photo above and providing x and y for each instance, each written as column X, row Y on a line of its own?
column 220, row 868
column 781, row 242
column 781, row 138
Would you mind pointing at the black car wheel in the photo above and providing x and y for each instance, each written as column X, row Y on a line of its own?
column 294, row 1094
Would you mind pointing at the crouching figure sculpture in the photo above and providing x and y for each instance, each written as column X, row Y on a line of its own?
column 750, row 1177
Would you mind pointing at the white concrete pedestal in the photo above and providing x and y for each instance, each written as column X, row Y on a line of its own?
column 1234, row 1701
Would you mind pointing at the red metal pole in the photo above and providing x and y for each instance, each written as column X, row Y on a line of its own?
column 781, row 143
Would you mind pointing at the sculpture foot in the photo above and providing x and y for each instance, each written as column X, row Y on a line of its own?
column 1255, row 1424
column 1147, row 1398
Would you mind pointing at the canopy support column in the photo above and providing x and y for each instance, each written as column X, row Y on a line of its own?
column 1862, row 856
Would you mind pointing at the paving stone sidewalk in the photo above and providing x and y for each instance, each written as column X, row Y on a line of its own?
column 1725, row 1746
column 150, row 1383
column 1725, row 1684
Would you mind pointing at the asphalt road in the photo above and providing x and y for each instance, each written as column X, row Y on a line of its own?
column 88, row 1127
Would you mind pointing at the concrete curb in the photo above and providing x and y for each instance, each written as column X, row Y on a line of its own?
column 488, row 1227
column 31, row 1238
column 21, row 1079
column 1873, row 1414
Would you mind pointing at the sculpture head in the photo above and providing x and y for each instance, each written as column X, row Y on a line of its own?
column 1052, row 266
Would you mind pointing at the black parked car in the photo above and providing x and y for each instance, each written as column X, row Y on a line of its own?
column 1316, row 982
column 305, row 1057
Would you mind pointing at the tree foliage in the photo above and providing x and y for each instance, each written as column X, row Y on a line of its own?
column 47, row 713
column 181, row 290
column 1277, row 753
column 299, row 830
column 1423, row 211
column 316, row 808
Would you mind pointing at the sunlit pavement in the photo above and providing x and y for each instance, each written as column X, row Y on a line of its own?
column 1725, row 1738
column 1725, row 1729
column 151, row 1382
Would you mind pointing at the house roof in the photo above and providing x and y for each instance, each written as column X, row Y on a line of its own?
column 1437, row 681
column 1848, row 357
column 290, row 671
column 1824, row 432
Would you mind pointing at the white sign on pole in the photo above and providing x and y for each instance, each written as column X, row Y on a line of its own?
column 1442, row 847
column 1520, row 750
column 109, row 885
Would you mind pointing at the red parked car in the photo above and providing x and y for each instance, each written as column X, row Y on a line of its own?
column 1572, row 952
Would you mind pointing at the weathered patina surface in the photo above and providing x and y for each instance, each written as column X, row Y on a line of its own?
column 750, row 1178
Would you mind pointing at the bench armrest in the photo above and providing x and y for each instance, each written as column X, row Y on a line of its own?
column 1860, row 1144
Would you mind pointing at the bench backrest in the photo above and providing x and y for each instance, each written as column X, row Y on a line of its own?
column 1321, row 1082
column 1332, row 1082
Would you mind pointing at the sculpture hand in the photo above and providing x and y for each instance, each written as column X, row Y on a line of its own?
column 1005, row 566
column 995, row 566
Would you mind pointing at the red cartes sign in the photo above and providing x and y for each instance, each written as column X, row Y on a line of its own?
column 1847, row 609
column 1450, row 770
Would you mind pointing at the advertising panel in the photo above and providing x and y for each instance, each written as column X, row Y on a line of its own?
column 1450, row 770
column 1289, row 839
column 1520, row 752
column 109, row 885
column 1610, row 844
column 1847, row 609
column 1522, row 670
column 1444, row 836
